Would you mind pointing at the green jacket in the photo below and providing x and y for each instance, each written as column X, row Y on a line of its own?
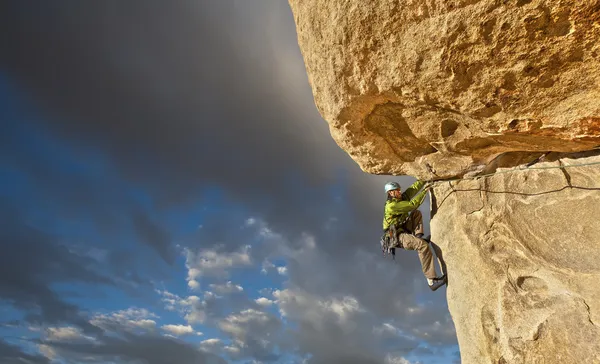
column 398, row 209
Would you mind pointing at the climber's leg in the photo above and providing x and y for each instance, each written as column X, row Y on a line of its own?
column 440, row 257
column 411, row 242
column 414, row 224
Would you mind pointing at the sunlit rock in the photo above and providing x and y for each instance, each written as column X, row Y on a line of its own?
column 443, row 89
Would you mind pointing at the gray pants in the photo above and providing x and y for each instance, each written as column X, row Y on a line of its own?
column 414, row 225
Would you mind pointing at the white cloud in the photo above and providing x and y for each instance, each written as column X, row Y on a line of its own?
column 249, row 322
column 232, row 350
column 264, row 231
column 131, row 319
column 253, row 333
column 390, row 359
column 192, row 308
column 178, row 330
column 212, row 341
column 263, row 301
column 210, row 262
column 386, row 329
column 47, row 351
column 266, row 266
column 213, row 345
column 303, row 306
column 66, row 334
column 226, row 288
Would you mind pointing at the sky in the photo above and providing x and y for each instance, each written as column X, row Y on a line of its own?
column 170, row 194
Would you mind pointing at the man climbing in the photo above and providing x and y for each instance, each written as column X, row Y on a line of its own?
column 403, row 227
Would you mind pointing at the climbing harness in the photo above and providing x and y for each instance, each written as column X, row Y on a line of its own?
column 390, row 239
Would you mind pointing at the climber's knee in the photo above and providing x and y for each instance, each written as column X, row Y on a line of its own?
column 422, row 245
column 411, row 242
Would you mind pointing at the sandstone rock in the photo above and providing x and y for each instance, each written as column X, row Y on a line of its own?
column 450, row 88
column 437, row 88
column 522, row 250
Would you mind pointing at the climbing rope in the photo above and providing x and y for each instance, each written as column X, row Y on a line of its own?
column 438, row 205
column 517, row 169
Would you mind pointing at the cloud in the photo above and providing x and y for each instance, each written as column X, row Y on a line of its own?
column 178, row 330
column 390, row 359
column 153, row 235
column 302, row 306
column 207, row 309
column 129, row 337
column 338, row 328
column 192, row 308
column 69, row 334
column 133, row 348
column 12, row 354
column 28, row 277
column 255, row 334
column 210, row 262
column 266, row 265
column 386, row 329
column 130, row 320
column 263, row 301
column 212, row 345
column 226, row 288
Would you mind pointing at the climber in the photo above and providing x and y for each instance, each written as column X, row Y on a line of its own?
column 403, row 227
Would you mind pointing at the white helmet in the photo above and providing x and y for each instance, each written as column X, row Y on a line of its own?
column 391, row 186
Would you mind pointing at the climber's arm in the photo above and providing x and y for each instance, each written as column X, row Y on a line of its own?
column 412, row 190
column 399, row 207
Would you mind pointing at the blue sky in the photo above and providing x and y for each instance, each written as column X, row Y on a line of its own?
column 171, row 194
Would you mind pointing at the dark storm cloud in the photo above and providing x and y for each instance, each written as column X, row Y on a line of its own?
column 133, row 348
column 12, row 354
column 153, row 235
column 182, row 95
column 31, row 261
column 187, row 95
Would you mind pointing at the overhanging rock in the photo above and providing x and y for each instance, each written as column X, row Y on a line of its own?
column 438, row 88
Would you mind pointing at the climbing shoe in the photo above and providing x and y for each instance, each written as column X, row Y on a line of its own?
column 436, row 285
column 437, row 282
column 442, row 278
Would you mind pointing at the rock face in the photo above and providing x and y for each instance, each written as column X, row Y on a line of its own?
column 522, row 255
column 438, row 88
column 443, row 89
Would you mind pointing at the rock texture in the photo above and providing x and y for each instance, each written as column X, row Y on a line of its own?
column 441, row 89
column 438, row 88
column 522, row 250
